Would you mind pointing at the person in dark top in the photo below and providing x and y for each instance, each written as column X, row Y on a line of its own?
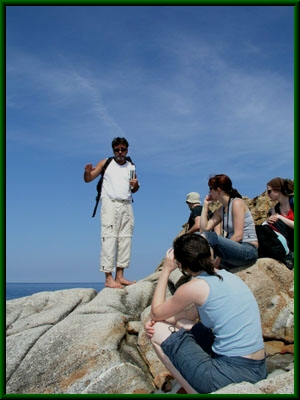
column 193, row 202
column 281, row 217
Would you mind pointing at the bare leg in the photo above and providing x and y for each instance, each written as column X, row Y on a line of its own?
column 184, row 323
column 120, row 278
column 110, row 282
column 161, row 333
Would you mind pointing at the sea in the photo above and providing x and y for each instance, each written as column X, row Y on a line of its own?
column 16, row 290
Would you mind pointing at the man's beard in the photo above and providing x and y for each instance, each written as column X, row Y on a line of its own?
column 120, row 159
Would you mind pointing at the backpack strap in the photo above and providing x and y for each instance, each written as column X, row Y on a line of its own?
column 130, row 160
column 99, row 184
column 291, row 201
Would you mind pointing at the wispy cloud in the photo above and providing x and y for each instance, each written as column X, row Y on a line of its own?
column 199, row 94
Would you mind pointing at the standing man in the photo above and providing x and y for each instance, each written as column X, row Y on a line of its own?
column 117, row 219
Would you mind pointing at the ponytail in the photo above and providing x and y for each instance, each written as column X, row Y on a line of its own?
column 233, row 193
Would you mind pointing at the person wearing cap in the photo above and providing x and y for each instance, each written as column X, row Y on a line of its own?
column 193, row 202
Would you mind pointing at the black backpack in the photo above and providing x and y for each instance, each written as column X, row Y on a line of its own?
column 99, row 184
column 269, row 244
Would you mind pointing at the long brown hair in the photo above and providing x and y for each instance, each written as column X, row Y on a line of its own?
column 285, row 186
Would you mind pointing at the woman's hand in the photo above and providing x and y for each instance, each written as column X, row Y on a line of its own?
column 207, row 200
column 272, row 219
column 149, row 328
column 169, row 262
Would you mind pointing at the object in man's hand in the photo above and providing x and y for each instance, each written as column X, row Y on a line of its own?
column 132, row 174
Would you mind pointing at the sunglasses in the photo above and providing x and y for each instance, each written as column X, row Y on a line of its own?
column 269, row 191
column 122, row 149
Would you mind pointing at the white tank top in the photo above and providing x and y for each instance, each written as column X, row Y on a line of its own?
column 116, row 181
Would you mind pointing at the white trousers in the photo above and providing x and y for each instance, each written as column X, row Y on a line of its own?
column 117, row 223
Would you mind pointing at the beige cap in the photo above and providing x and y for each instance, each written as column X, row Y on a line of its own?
column 193, row 197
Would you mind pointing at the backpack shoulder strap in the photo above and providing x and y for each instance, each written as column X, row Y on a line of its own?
column 291, row 200
column 107, row 162
column 100, row 181
column 99, row 184
column 130, row 160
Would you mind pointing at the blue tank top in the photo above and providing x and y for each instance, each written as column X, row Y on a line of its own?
column 231, row 311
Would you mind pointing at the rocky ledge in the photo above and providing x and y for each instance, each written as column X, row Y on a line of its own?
column 78, row 341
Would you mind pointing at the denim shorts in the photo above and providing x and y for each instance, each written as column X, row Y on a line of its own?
column 190, row 352
column 233, row 254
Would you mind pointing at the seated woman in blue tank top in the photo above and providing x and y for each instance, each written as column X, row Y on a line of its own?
column 226, row 346
column 238, row 245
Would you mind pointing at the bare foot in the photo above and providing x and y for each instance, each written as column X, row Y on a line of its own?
column 113, row 285
column 125, row 282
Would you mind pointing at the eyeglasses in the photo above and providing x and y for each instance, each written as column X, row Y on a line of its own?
column 122, row 149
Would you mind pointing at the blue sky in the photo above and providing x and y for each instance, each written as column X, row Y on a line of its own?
column 196, row 90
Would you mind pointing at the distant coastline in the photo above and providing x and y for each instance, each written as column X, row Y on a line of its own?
column 15, row 290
